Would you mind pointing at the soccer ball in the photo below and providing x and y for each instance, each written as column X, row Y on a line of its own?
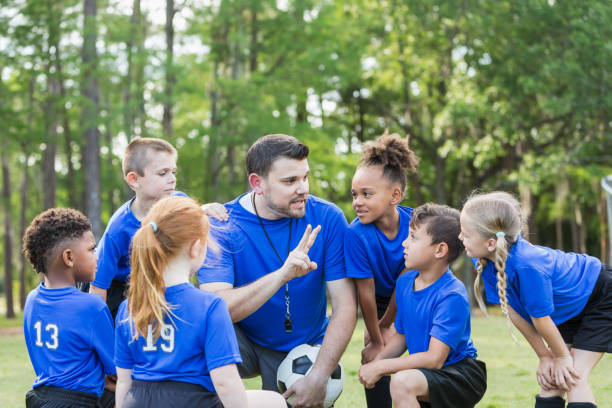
column 298, row 364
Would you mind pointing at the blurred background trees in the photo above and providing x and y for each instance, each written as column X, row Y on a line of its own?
column 493, row 95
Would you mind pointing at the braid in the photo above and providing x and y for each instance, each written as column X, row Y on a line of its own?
column 482, row 262
column 501, row 254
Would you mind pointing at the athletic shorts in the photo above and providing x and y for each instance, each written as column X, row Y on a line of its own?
column 591, row 330
column 54, row 397
column 459, row 385
column 169, row 394
column 116, row 293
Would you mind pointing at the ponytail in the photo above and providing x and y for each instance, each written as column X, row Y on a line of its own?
column 501, row 255
column 482, row 262
column 172, row 223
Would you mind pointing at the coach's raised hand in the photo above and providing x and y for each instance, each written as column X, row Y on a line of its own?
column 298, row 263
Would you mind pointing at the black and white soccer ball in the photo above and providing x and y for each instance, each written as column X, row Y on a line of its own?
column 298, row 364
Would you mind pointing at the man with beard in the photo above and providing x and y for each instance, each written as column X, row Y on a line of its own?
column 280, row 250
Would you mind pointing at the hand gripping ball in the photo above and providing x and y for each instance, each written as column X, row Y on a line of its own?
column 298, row 364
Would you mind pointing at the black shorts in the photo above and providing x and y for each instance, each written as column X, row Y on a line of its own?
column 459, row 385
column 591, row 330
column 54, row 397
column 169, row 394
column 116, row 293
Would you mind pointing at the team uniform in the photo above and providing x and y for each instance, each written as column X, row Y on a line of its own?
column 113, row 253
column 175, row 370
column 442, row 310
column 246, row 255
column 69, row 337
column 368, row 253
column 575, row 290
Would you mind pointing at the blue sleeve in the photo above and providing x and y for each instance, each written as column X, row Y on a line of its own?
column 123, row 354
column 219, row 263
column 451, row 317
column 535, row 291
column 108, row 261
column 336, row 227
column 103, row 340
column 221, row 345
column 356, row 257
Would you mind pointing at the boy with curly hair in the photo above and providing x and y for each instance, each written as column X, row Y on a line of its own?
column 69, row 334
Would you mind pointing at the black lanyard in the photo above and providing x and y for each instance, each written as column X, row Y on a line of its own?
column 288, row 324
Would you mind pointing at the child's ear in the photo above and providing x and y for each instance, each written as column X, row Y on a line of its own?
column 255, row 182
column 68, row 257
column 396, row 196
column 491, row 244
column 132, row 179
column 195, row 248
column 441, row 250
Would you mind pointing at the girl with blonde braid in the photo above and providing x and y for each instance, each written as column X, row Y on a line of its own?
column 560, row 302
column 175, row 345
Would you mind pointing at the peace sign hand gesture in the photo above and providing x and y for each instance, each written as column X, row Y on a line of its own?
column 298, row 263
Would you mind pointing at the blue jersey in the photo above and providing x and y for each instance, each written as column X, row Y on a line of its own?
column 246, row 256
column 368, row 253
column 546, row 282
column 69, row 336
column 197, row 339
column 441, row 310
column 113, row 250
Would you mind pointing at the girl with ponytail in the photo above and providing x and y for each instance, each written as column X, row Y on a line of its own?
column 560, row 302
column 175, row 345
column 373, row 249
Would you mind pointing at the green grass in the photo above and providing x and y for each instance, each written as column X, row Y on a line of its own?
column 511, row 378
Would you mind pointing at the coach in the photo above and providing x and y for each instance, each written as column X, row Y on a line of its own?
column 273, row 269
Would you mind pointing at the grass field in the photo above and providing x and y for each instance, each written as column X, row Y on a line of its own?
column 511, row 379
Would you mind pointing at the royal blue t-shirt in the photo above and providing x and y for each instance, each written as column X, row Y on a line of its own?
column 546, row 282
column 246, row 255
column 69, row 336
column 197, row 339
column 368, row 253
column 113, row 250
column 441, row 310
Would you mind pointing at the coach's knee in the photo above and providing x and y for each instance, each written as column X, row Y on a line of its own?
column 405, row 383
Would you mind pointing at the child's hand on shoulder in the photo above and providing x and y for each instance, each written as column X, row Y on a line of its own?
column 216, row 210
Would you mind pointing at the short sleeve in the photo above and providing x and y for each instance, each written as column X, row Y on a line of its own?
column 489, row 280
column 108, row 261
column 535, row 291
column 399, row 300
column 123, row 354
column 103, row 339
column 356, row 257
column 219, row 263
column 221, row 345
column 336, row 227
column 451, row 317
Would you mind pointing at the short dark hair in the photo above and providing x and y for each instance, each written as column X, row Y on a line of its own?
column 48, row 230
column 441, row 224
column 267, row 149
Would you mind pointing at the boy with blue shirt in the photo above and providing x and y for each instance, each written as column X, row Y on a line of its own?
column 432, row 322
column 274, row 269
column 68, row 334
column 149, row 168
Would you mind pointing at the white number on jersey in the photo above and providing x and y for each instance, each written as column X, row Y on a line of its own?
column 167, row 335
column 53, row 332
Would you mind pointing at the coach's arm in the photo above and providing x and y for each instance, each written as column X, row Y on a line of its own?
column 310, row 391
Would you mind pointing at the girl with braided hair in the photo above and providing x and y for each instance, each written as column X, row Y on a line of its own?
column 373, row 242
column 560, row 302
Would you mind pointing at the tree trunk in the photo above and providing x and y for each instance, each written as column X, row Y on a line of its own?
column 128, row 110
column 170, row 77
column 25, row 185
column 254, row 47
column 8, row 236
column 90, row 119
column 139, row 76
column 48, row 162
column 560, row 194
